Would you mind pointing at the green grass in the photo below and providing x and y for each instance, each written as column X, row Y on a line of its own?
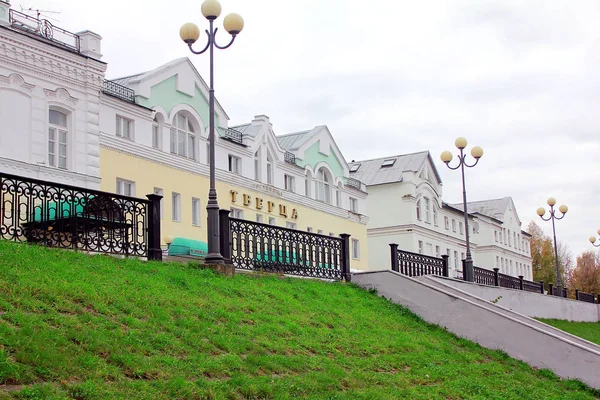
column 586, row 330
column 75, row 326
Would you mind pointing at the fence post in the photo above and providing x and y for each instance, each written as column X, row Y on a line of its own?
column 153, row 210
column 445, row 265
column 520, row 282
column 576, row 294
column 565, row 293
column 394, row 257
column 542, row 287
column 346, row 257
column 496, row 277
column 225, row 236
column 464, row 266
column 551, row 290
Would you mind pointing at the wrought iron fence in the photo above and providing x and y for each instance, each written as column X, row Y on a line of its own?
column 534, row 287
column 289, row 157
column 509, row 282
column 233, row 135
column 414, row 264
column 70, row 217
column 256, row 246
column 553, row 291
column 484, row 276
column 355, row 183
column 43, row 28
column 587, row 297
column 122, row 92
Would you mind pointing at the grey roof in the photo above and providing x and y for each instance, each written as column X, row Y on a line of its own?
column 494, row 208
column 293, row 141
column 371, row 173
column 247, row 129
column 124, row 81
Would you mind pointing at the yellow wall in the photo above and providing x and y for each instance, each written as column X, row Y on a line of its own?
column 147, row 175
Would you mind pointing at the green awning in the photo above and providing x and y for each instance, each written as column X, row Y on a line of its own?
column 188, row 247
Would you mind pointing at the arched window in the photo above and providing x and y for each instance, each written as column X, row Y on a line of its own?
column 58, row 132
column 323, row 186
column 157, row 125
column 269, row 168
column 183, row 137
column 308, row 185
column 257, row 171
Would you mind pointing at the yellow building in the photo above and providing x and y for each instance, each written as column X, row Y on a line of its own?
column 158, row 143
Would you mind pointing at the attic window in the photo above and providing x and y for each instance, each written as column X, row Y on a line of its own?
column 388, row 163
column 354, row 168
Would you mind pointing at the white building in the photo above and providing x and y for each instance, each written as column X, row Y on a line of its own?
column 405, row 206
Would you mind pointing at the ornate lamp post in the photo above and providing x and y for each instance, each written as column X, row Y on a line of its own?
column 563, row 209
column 477, row 153
column 233, row 23
column 593, row 240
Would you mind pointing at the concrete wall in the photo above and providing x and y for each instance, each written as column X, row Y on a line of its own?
column 530, row 304
column 487, row 324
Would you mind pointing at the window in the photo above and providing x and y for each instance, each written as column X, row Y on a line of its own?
column 160, row 192
column 496, row 236
column 518, row 241
column 446, row 223
column 515, row 239
column 289, row 183
column 323, row 186
column 420, row 247
column 429, row 248
column 419, row 209
column 448, row 252
column 353, row 205
column 269, row 169
column 462, row 256
column 338, row 198
column 307, row 187
column 156, row 135
column 456, row 259
column 354, row 168
column 309, row 229
column 237, row 213
column 272, row 221
column 511, row 267
column 125, row 188
column 355, row 249
column 508, row 237
column 460, row 228
column 57, row 139
column 427, row 206
column 453, row 225
column 388, row 162
column 435, row 216
column 257, row 167
column 290, row 225
column 259, row 218
column 124, row 127
column 437, row 251
column 195, row 211
column 183, row 137
column 500, row 235
column 176, row 206
column 235, row 164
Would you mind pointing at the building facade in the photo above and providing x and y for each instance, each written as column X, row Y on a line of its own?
column 405, row 206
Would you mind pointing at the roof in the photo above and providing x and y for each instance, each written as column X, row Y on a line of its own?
column 494, row 208
column 126, row 80
column 370, row 172
column 247, row 129
column 293, row 141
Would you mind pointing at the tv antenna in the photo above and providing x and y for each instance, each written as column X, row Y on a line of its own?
column 40, row 13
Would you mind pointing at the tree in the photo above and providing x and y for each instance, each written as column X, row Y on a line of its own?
column 542, row 255
column 586, row 274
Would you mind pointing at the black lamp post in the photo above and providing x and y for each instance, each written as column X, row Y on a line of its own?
column 477, row 153
column 233, row 23
column 563, row 209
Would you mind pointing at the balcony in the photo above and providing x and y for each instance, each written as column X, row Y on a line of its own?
column 289, row 158
column 233, row 136
column 119, row 91
column 44, row 29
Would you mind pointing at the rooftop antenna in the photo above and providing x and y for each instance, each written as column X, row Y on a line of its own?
column 39, row 13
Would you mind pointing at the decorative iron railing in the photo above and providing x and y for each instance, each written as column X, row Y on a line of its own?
column 255, row 246
column 355, row 183
column 510, row 282
column 587, row 297
column 534, row 287
column 44, row 29
column 414, row 264
column 289, row 157
column 553, row 291
column 122, row 92
column 233, row 135
column 70, row 217
column 483, row 276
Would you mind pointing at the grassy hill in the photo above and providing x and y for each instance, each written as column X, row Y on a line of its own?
column 97, row 327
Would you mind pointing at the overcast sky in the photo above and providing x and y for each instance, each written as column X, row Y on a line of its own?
column 519, row 78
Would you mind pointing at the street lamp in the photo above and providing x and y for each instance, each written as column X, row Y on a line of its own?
column 233, row 23
column 563, row 209
column 593, row 240
column 477, row 153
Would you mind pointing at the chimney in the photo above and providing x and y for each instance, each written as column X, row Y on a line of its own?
column 4, row 13
column 261, row 118
column 90, row 44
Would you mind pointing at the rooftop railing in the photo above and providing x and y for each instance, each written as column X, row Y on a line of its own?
column 122, row 92
column 43, row 28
